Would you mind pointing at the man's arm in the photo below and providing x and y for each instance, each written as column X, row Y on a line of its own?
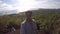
column 22, row 29
column 35, row 28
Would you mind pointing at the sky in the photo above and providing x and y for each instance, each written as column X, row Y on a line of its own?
column 24, row 5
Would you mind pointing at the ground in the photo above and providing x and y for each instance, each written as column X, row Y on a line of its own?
column 14, row 32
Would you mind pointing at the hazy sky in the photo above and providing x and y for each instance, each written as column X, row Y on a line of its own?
column 23, row 5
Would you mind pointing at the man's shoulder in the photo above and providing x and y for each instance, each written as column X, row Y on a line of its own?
column 23, row 22
column 33, row 21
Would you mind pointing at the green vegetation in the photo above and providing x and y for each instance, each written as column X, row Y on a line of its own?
column 48, row 19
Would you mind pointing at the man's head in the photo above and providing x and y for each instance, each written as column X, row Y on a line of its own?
column 28, row 14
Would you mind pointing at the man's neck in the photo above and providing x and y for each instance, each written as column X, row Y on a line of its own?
column 28, row 19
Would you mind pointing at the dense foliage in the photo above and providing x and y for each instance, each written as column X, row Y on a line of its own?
column 47, row 19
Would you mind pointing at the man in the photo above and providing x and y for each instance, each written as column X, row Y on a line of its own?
column 28, row 26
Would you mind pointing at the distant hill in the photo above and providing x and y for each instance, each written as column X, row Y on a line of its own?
column 43, row 11
column 6, row 12
column 35, row 12
column 46, row 11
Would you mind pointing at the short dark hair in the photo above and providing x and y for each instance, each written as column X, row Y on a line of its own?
column 28, row 12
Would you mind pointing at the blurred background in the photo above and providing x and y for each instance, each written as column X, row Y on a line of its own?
column 45, row 12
